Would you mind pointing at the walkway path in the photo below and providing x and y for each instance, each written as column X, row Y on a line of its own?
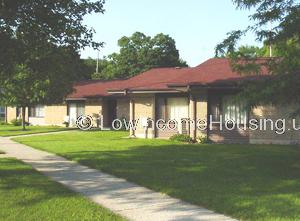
column 129, row 200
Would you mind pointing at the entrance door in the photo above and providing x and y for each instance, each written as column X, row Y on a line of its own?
column 112, row 111
column 75, row 110
column 73, row 114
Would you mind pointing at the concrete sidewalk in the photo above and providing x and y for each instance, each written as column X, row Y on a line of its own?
column 129, row 200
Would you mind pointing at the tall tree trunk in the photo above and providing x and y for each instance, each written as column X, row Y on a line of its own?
column 23, row 118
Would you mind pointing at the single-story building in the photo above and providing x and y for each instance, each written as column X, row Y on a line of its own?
column 187, row 95
column 89, row 98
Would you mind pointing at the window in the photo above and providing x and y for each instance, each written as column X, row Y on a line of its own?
column 2, row 113
column 37, row 111
column 80, row 109
column 234, row 110
column 214, row 107
column 172, row 108
column 177, row 108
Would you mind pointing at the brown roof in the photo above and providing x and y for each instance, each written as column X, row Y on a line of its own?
column 215, row 70
column 97, row 88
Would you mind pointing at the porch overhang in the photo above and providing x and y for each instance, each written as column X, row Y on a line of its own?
column 76, row 99
column 144, row 91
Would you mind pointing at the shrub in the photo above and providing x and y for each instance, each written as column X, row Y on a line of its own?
column 16, row 122
column 3, row 123
column 67, row 124
column 181, row 138
column 203, row 140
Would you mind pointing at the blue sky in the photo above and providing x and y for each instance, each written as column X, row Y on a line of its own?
column 196, row 25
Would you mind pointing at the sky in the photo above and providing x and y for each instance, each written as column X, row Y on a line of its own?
column 196, row 25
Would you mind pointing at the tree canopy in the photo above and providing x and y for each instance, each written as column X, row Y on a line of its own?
column 283, row 87
column 40, row 43
column 251, row 51
column 140, row 53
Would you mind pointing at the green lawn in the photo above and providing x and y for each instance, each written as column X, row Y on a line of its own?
column 10, row 130
column 27, row 195
column 248, row 182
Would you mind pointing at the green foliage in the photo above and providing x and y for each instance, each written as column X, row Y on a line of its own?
column 40, row 41
column 102, row 65
column 67, row 124
column 283, row 88
column 139, row 53
column 247, row 51
column 181, row 138
column 16, row 122
column 203, row 140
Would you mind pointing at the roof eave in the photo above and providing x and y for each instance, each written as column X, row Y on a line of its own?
column 76, row 99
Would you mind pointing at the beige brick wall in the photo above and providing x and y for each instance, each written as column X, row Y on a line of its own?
column 11, row 113
column 40, row 121
column 269, row 136
column 55, row 114
column 93, row 106
column 123, row 108
column 144, row 107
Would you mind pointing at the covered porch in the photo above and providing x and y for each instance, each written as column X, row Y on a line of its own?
column 186, row 105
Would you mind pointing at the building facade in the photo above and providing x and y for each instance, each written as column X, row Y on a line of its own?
column 162, row 98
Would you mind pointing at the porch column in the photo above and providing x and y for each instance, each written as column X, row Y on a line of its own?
column 131, row 116
column 192, row 116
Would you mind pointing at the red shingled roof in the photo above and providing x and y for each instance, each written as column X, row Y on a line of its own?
column 217, row 70
column 95, row 88
column 212, row 71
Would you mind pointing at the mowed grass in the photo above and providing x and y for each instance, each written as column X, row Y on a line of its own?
column 27, row 195
column 10, row 130
column 247, row 182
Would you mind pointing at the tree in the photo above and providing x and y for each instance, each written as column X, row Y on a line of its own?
column 283, row 87
column 89, row 68
column 140, row 53
column 39, row 53
column 253, row 52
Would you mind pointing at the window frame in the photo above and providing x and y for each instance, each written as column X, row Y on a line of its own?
column 2, row 112
column 38, row 111
column 216, row 99
column 236, row 104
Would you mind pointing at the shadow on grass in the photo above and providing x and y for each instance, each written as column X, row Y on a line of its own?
column 250, row 183
column 25, row 194
column 17, row 177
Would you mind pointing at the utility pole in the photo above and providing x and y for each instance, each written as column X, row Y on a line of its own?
column 270, row 43
column 97, row 66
